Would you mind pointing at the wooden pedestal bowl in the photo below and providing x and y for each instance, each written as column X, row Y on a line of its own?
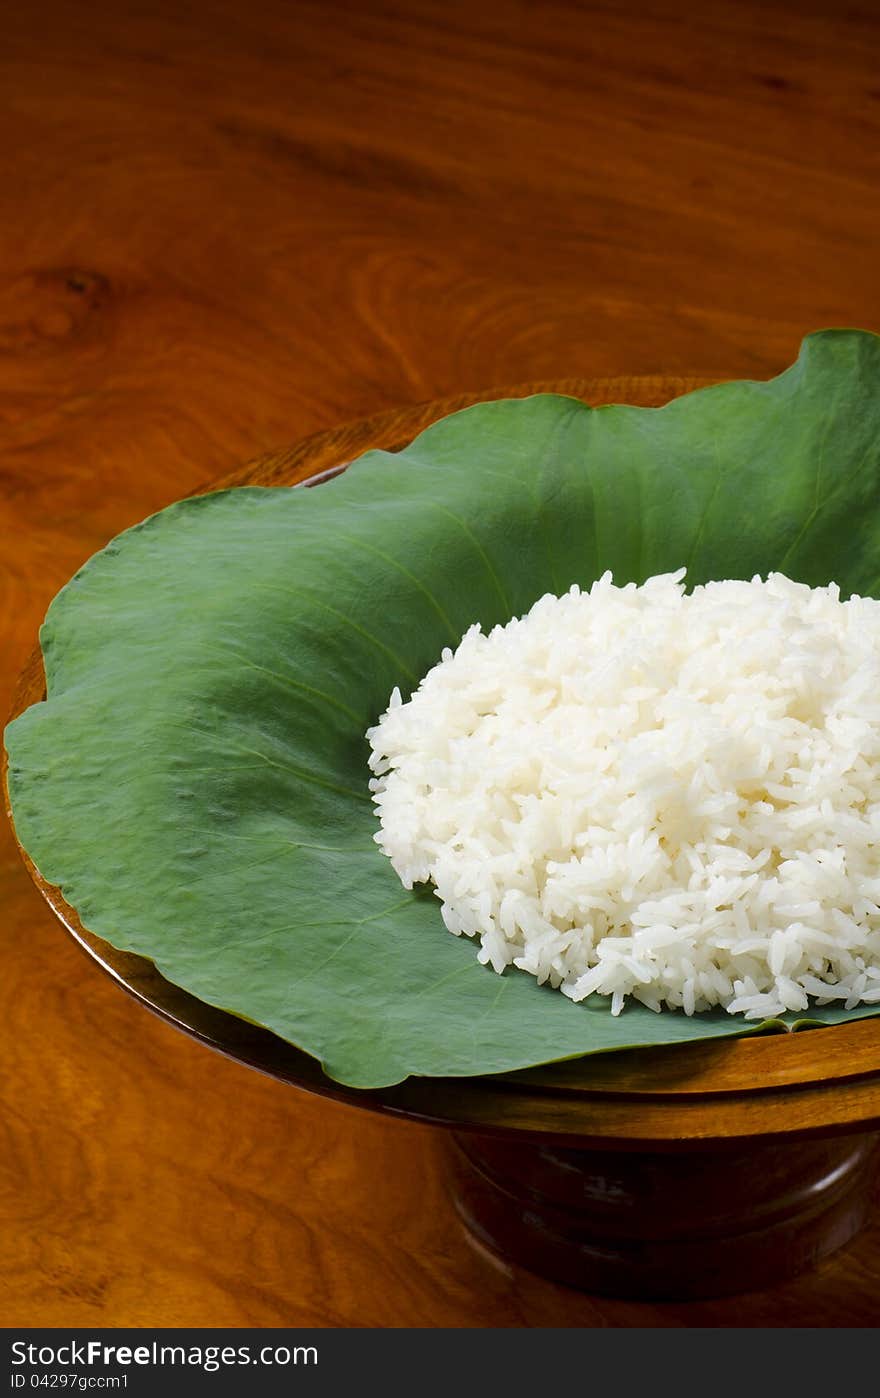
column 691, row 1171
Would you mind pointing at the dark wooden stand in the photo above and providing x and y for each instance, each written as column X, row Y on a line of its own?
column 690, row 1171
column 664, row 1225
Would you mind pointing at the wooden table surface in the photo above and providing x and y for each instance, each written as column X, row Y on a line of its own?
column 229, row 225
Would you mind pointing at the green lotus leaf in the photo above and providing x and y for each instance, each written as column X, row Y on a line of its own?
column 196, row 781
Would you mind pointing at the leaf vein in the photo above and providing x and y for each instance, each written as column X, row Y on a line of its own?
column 480, row 550
column 404, row 572
column 294, row 684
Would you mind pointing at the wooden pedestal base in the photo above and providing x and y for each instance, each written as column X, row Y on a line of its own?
column 673, row 1224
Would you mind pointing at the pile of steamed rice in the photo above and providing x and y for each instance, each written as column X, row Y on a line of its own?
column 642, row 792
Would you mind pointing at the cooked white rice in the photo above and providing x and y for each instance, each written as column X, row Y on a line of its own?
column 639, row 791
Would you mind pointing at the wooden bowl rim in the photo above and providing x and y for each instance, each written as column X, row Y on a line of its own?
column 781, row 1085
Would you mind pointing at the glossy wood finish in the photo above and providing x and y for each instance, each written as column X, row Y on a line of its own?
column 235, row 226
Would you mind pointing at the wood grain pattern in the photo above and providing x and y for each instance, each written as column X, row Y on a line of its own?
column 235, row 226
